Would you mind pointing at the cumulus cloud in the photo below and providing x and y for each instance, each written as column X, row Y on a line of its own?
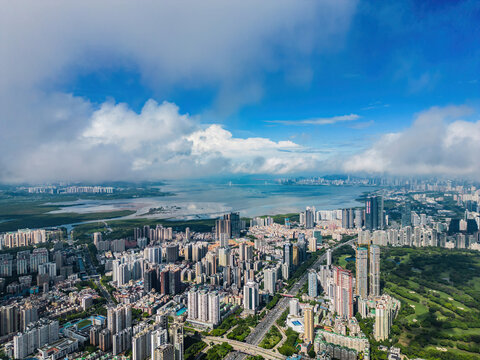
column 158, row 142
column 439, row 142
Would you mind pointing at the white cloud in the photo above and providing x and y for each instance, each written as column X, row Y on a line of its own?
column 157, row 143
column 437, row 143
column 318, row 121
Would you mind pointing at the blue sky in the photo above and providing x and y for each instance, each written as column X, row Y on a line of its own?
column 394, row 60
column 255, row 72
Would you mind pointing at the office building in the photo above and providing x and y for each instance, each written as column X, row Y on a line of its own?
column 250, row 296
column 312, row 284
column 309, row 218
column 374, row 213
column 348, row 216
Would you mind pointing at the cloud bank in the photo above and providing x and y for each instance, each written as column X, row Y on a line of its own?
column 47, row 134
column 157, row 143
column 439, row 142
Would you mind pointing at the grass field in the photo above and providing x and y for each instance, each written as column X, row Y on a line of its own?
column 83, row 323
column 272, row 338
column 440, row 294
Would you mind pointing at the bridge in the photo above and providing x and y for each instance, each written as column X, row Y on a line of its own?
column 246, row 348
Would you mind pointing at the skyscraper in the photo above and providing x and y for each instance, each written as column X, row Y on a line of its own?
column 229, row 226
column 234, row 219
column 348, row 218
column 250, row 296
column 374, row 216
column 309, row 218
column 362, row 272
column 312, row 284
column 343, row 292
column 374, row 270
column 308, row 323
column 288, row 255
column 269, row 280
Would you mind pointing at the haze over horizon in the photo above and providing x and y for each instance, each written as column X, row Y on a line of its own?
column 106, row 91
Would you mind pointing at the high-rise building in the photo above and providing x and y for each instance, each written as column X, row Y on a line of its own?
column 224, row 256
column 95, row 336
column 361, row 264
column 407, row 214
column 348, row 216
column 312, row 284
column 374, row 270
column 386, row 310
column 269, row 280
column 250, row 296
column 122, row 341
column 288, row 255
column 164, row 352
column 234, row 219
column 343, row 282
column 176, row 337
column 171, row 253
column 153, row 254
column 35, row 335
column 229, row 226
column 358, row 220
column 309, row 218
column 329, row 257
column 142, row 342
column 204, row 307
column 308, row 324
column 119, row 318
column 374, row 213
column 213, row 308
column 294, row 307
column 295, row 255
column 9, row 319
column 105, row 340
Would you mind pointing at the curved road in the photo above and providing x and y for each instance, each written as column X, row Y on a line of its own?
column 247, row 348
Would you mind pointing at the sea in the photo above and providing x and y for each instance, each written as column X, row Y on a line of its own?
column 200, row 200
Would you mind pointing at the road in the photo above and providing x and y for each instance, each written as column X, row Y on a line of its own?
column 262, row 328
column 246, row 348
